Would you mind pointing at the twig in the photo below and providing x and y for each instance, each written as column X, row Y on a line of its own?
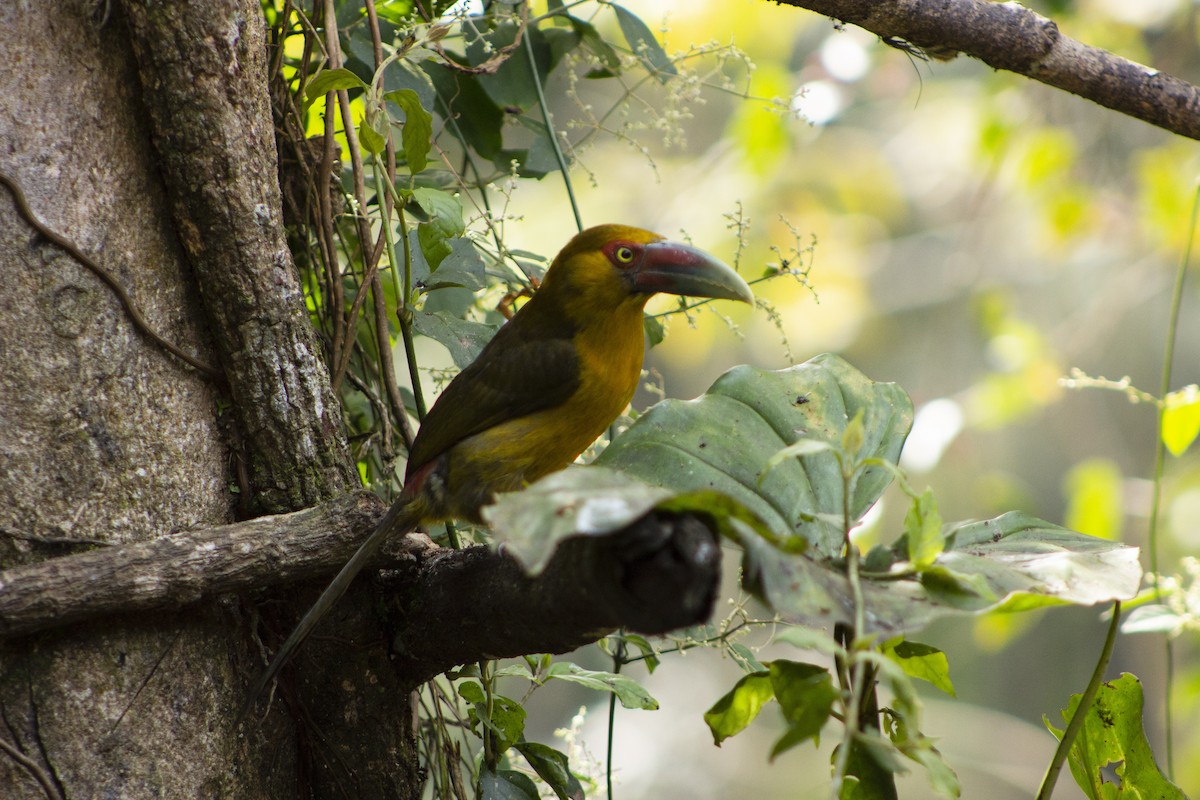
column 1081, row 711
column 1011, row 37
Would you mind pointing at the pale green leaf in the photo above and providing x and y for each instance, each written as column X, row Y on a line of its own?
column 1181, row 419
column 506, row 784
column 331, row 80
column 644, row 44
column 923, row 529
column 1013, row 562
column 629, row 692
column 924, row 662
column 739, row 706
column 463, row 338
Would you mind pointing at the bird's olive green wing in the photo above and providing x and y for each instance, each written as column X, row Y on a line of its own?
column 518, row 373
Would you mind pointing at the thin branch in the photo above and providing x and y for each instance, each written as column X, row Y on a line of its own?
column 1009, row 36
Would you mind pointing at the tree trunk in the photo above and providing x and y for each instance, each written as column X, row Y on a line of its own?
column 109, row 439
column 105, row 437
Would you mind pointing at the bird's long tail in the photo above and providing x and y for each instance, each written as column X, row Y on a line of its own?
column 400, row 519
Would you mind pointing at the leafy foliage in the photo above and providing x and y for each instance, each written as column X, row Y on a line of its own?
column 840, row 434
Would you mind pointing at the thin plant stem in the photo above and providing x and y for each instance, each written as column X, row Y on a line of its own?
column 385, row 358
column 558, row 153
column 1085, row 703
column 1164, row 387
column 858, row 672
column 406, row 323
column 618, row 662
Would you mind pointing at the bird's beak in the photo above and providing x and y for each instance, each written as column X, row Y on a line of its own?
column 680, row 269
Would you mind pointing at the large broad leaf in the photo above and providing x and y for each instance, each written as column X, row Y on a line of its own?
column 471, row 114
column 1013, row 562
column 1113, row 736
column 723, row 441
column 589, row 501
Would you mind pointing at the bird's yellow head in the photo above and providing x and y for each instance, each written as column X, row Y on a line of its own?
column 614, row 266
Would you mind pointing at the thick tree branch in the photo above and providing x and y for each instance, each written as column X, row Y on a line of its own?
column 1010, row 37
column 172, row 571
column 449, row 606
column 657, row 575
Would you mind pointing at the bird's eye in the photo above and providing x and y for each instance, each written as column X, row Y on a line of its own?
column 624, row 254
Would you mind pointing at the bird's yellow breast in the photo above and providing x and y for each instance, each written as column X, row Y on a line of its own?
column 514, row 453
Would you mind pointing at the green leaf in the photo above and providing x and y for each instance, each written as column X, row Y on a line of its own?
column 470, row 691
column 1112, row 734
column 806, row 695
column 852, row 437
column 1154, row 618
column 463, row 338
column 462, row 266
column 594, row 42
column 923, row 526
column 373, row 132
column 745, row 658
column 1013, row 562
column 331, row 80
column 506, row 785
column 475, row 117
column 655, row 332
column 923, row 661
column 404, row 74
column 506, row 720
column 871, row 769
column 418, row 128
column 552, row 767
column 445, row 223
column 630, row 693
column 644, row 45
column 941, row 777
column 574, row 501
column 722, row 440
column 511, row 85
column 592, row 501
column 649, row 655
column 1181, row 419
column 739, row 706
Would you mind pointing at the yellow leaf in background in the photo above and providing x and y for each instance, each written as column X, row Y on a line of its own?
column 1094, row 498
column 762, row 131
column 1181, row 419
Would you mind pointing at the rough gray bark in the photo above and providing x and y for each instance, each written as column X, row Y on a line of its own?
column 174, row 571
column 103, row 436
column 203, row 77
column 1011, row 37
